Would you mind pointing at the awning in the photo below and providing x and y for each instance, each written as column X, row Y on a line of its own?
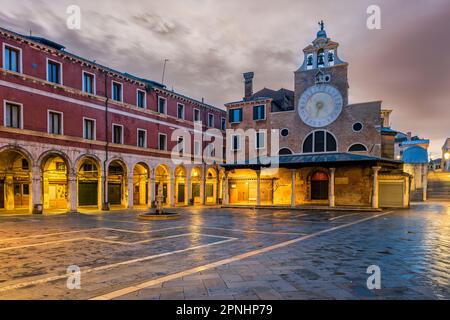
column 331, row 159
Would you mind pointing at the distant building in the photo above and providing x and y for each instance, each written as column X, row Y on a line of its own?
column 413, row 151
column 446, row 155
column 435, row 164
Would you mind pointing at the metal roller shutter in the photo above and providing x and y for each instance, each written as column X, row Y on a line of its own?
column 391, row 194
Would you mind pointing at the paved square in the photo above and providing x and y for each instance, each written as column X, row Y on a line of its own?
column 214, row 253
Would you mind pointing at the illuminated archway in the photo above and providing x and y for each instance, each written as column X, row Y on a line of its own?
column 55, row 175
column 88, row 182
column 140, row 184
column 117, row 183
column 211, row 186
column 196, row 180
column 15, row 180
column 180, row 185
column 162, row 178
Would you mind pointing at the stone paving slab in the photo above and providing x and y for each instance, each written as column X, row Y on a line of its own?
column 411, row 247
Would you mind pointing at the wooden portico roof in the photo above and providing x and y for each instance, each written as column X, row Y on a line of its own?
column 332, row 159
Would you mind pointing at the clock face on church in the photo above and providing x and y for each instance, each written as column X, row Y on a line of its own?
column 320, row 105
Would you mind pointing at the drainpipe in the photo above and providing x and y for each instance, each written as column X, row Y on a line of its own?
column 105, row 205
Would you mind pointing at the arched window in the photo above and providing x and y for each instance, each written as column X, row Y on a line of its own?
column 319, row 141
column 357, row 147
column 319, row 186
column 284, row 151
column 320, row 58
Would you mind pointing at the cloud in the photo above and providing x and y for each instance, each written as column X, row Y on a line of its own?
column 210, row 43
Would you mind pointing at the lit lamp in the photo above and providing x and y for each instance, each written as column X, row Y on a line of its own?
column 447, row 156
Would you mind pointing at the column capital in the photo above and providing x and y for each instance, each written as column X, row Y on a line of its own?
column 376, row 168
column 332, row 170
column 258, row 172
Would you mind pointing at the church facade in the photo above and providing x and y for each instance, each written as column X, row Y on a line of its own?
column 331, row 152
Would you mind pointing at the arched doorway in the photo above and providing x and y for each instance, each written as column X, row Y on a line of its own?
column 15, row 180
column 55, row 189
column 180, row 185
column 162, row 177
column 88, row 183
column 211, row 186
column 196, row 180
column 117, row 186
column 140, row 184
column 319, row 186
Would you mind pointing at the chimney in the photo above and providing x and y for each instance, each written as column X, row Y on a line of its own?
column 248, row 80
column 385, row 114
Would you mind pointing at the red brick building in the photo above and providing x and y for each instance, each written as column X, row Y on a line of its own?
column 74, row 133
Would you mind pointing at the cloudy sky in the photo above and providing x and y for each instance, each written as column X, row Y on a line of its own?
column 210, row 43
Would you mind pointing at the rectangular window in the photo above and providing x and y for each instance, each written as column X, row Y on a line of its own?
column 141, row 99
column 260, row 140
column 13, row 115
column 197, row 148
column 116, row 91
column 259, row 112
column 55, row 122
column 162, row 141
column 180, row 111
column 117, row 136
column 223, row 124
column 210, row 120
column 88, row 129
column 54, row 72
column 142, row 138
column 235, row 142
column 26, row 189
column 88, row 83
column 235, row 115
column 196, row 115
column 12, row 59
column 25, row 165
column 162, row 105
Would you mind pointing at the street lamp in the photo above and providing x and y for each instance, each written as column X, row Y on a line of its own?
column 447, row 156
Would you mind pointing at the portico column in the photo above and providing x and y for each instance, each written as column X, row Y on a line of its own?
column 375, row 187
column 9, row 191
column 72, row 193
column 258, row 187
column 293, row 171
column 217, row 188
column 187, row 189
column 331, row 195
column 203, row 187
column 36, row 189
column 130, row 190
column 425, row 182
column 105, row 204
column 152, row 187
column 172, row 191
column 226, row 196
